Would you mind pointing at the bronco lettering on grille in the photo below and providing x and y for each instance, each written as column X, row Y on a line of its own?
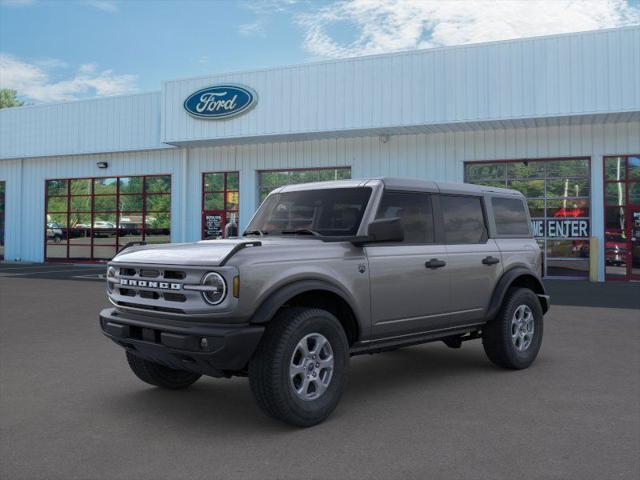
column 147, row 284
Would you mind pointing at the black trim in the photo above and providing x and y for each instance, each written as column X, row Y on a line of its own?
column 505, row 282
column 178, row 345
column 388, row 343
column 279, row 298
column 237, row 248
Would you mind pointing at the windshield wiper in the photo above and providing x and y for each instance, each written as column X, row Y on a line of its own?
column 301, row 231
column 255, row 232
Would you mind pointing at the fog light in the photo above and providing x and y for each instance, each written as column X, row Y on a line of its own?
column 204, row 343
column 217, row 288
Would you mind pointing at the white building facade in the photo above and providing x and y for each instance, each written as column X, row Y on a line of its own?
column 556, row 117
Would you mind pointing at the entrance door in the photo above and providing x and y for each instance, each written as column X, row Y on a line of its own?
column 634, row 243
column 220, row 192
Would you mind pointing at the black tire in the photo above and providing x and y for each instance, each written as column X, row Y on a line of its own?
column 159, row 375
column 269, row 374
column 497, row 334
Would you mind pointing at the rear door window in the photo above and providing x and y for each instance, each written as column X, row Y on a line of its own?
column 510, row 216
column 463, row 219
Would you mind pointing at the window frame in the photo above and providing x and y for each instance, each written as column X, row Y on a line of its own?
column 91, row 212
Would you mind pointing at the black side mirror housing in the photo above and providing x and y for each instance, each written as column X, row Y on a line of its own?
column 385, row 230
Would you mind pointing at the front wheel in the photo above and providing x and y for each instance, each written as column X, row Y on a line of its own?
column 298, row 372
column 159, row 375
column 513, row 338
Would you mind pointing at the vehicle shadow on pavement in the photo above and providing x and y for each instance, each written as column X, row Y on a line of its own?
column 228, row 405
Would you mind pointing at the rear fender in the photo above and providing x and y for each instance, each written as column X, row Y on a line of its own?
column 520, row 277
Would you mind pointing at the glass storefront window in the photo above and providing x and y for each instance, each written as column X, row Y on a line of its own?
column 485, row 171
column 558, row 194
column 2, row 215
column 93, row 218
column 615, row 168
column 526, row 169
column 622, row 222
column 220, row 204
column 633, row 168
column 615, row 193
column 269, row 180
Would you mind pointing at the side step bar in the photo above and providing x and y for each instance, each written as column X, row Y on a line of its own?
column 382, row 344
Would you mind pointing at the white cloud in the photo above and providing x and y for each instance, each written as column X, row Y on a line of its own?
column 252, row 29
column 389, row 25
column 36, row 81
column 104, row 5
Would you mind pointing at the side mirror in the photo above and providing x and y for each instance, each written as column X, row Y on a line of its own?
column 385, row 230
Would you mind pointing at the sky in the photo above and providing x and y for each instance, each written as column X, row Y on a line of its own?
column 59, row 50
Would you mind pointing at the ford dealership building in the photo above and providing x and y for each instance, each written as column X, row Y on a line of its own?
column 555, row 117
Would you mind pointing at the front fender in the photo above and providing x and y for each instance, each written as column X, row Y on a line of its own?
column 276, row 299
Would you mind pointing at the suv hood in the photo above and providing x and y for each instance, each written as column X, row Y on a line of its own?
column 208, row 252
column 203, row 253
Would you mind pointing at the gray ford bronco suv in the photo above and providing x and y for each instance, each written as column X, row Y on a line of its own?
column 325, row 271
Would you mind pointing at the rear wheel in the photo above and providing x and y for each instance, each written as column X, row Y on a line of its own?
column 513, row 338
column 298, row 372
column 159, row 375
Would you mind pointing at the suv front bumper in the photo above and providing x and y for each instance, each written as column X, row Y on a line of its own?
column 214, row 350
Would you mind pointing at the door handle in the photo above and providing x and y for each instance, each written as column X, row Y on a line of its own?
column 490, row 260
column 435, row 263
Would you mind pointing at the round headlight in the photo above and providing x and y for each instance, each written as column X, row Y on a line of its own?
column 217, row 288
column 111, row 276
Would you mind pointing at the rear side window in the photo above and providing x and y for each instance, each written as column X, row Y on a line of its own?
column 510, row 216
column 415, row 211
column 463, row 219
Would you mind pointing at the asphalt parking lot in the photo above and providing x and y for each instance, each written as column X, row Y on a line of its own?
column 71, row 409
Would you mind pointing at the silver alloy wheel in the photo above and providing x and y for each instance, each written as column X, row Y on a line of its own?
column 522, row 327
column 311, row 366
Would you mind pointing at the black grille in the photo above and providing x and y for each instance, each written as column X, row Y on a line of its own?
column 149, row 294
column 174, row 274
column 147, row 273
column 174, row 297
column 150, row 307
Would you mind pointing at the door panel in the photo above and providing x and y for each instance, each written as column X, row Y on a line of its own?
column 406, row 296
column 472, row 281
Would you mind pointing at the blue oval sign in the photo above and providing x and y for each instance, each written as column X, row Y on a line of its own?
column 220, row 101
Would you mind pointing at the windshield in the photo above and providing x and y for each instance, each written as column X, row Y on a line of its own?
column 325, row 212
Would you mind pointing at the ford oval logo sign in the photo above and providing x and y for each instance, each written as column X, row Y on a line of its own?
column 220, row 101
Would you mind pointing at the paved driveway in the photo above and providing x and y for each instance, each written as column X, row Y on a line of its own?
column 70, row 408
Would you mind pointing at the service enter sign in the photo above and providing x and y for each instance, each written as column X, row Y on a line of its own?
column 561, row 228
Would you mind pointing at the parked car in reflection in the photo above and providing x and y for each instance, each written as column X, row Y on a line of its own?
column 615, row 249
column 103, row 228
column 54, row 232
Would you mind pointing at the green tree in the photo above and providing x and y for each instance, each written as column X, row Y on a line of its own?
column 8, row 98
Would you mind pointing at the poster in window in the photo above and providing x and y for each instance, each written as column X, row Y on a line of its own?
column 212, row 226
